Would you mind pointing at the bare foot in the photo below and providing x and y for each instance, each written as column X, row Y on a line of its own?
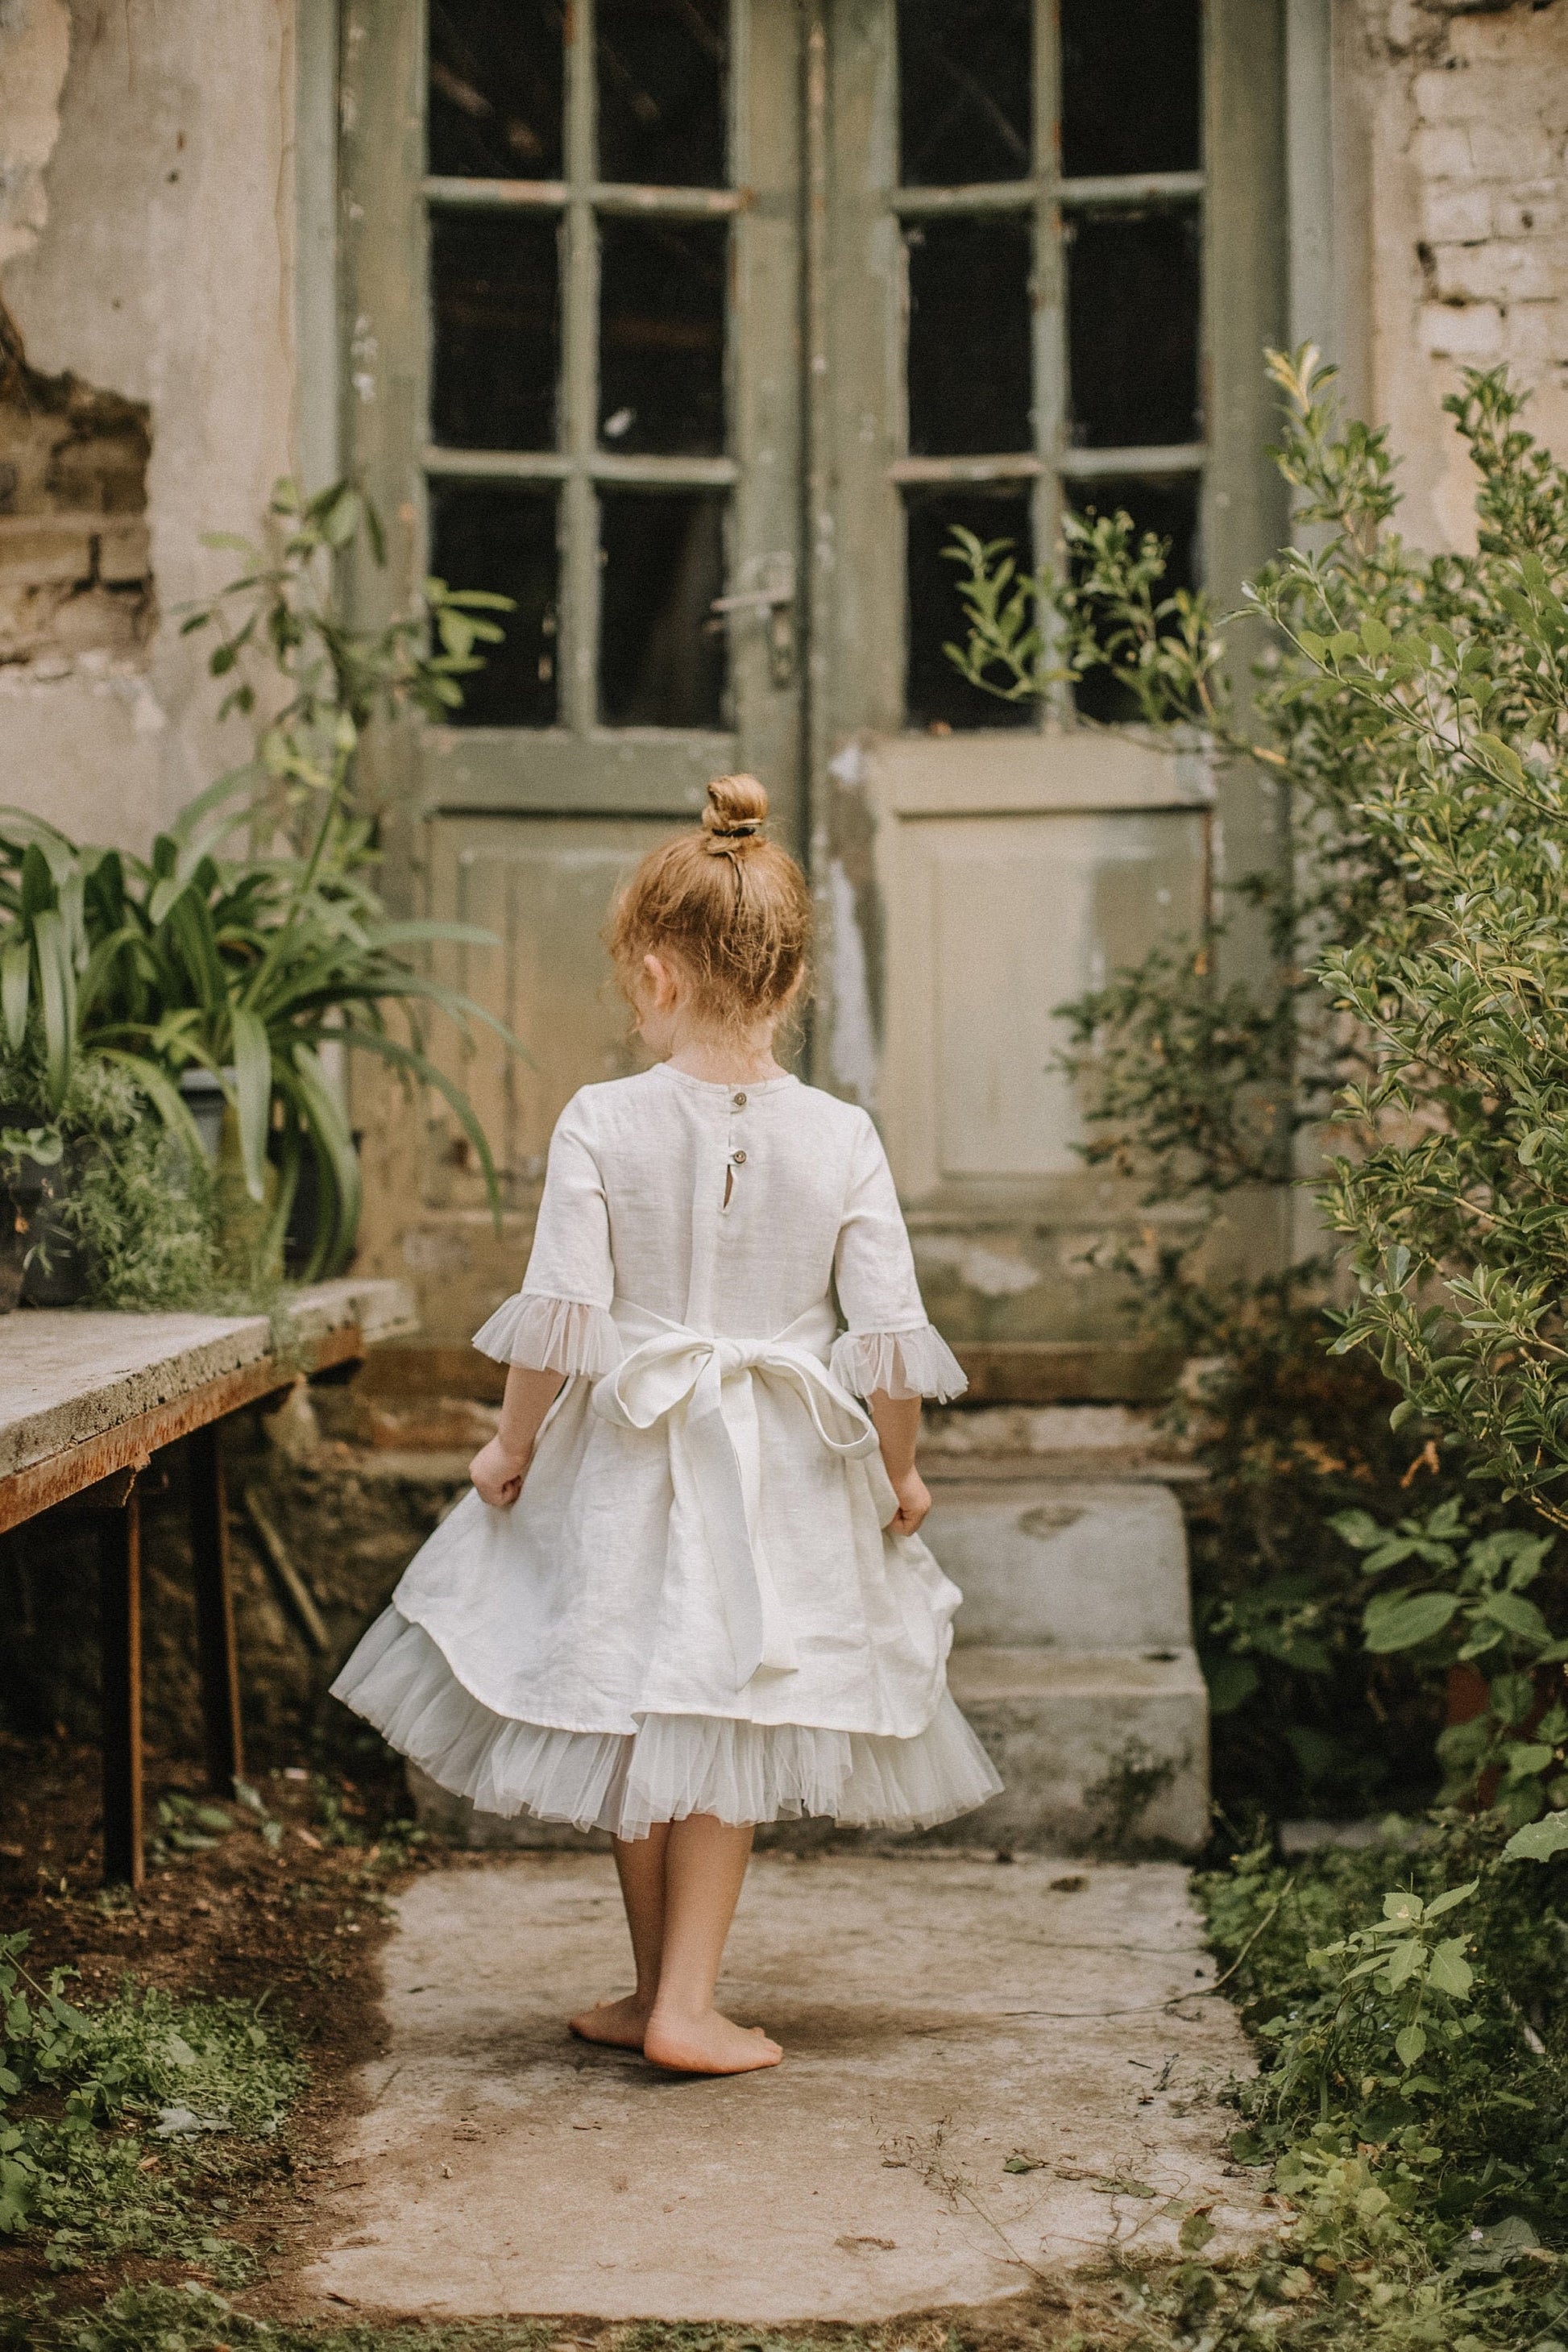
column 708, row 2045
column 619, row 2023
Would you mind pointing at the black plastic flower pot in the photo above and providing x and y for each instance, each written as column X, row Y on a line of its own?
column 40, row 1265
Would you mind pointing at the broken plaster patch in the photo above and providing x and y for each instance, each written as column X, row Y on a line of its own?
column 34, row 50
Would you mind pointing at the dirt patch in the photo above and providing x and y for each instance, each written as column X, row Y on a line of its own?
column 298, row 1922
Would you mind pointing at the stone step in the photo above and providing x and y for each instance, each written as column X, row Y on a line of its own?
column 1066, row 1565
column 1098, row 1749
column 1093, row 1442
column 1104, row 1750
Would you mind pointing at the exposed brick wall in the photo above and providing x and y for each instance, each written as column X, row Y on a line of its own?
column 1490, row 150
column 75, row 574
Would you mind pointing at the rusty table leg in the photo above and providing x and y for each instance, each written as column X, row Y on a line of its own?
column 218, row 1658
column 120, row 1605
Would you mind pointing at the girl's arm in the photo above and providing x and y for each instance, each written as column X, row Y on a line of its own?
column 498, row 1469
column 898, row 1423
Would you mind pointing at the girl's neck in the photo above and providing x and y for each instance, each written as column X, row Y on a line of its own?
column 722, row 1061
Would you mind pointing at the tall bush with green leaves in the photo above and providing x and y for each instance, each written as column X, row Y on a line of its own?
column 1417, row 706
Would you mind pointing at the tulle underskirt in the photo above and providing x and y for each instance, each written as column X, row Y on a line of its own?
column 673, row 1765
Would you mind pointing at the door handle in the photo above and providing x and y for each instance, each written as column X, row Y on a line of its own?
column 775, row 602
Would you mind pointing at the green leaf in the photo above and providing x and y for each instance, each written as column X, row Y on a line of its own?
column 16, row 989
column 1539, row 1841
column 1404, row 1959
column 1411, row 2045
column 1517, row 1616
column 1450, row 1898
column 1449, row 1970
column 1231, row 1683
column 1358, row 1529
column 253, row 1089
column 1499, row 757
column 1402, row 1620
column 57, row 996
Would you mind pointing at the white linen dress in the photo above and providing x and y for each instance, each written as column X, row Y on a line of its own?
column 695, row 1606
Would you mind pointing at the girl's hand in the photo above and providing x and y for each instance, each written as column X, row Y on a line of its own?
column 914, row 1502
column 498, row 1474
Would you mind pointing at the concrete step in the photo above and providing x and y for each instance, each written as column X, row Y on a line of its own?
column 1093, row 1442
column 1105, row 1749
column 1067, row 1565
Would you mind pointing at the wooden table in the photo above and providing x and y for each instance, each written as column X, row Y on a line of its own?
column 87, row 1400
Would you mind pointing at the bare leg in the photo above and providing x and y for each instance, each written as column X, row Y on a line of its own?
column 704, row 1866
column 640, row 1865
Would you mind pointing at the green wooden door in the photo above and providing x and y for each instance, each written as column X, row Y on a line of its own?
column 660, row 310
column 1055, row 255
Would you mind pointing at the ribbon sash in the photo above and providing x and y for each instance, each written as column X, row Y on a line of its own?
column 702, row 1385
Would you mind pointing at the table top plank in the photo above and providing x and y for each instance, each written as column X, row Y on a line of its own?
column 70, row 1377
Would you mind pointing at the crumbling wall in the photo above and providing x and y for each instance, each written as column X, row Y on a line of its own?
column 74, row 566
column 1461, row 113
column 147, row 240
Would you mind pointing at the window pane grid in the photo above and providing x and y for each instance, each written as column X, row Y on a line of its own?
column 1073, row 454
column 581, row 474
column 1054, row 201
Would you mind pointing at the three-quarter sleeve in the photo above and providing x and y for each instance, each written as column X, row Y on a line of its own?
column 560, row 1321
column 890, row 1346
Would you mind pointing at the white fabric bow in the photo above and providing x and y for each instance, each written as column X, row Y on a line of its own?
column 703, row 1384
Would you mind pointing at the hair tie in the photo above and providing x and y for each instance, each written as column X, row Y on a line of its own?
column 741, row 831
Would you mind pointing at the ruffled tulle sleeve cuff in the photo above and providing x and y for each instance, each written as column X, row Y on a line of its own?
column 551, row 1335
column 899, row 1363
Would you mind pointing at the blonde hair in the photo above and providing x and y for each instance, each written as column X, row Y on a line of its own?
column 731, row 909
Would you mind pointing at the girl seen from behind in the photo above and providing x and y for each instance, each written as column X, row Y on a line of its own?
column 687, row 1593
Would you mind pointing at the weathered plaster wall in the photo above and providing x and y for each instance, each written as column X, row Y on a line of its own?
column 146, row 261
column 1454, row 235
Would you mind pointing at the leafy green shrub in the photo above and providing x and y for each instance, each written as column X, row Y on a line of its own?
column 133, row 1205
column 89, row 2098
column 1417, row 706
column 1412, row 2098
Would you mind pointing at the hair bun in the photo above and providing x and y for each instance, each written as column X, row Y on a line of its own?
column 737, row 811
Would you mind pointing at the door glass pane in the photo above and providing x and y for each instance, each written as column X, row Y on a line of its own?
column 662, row 660
column 935, row 696
column 964, row 73
column 496, row 293
column 663, row 69
column 661, row 335
column 1132, row 328
column 970, row 322
column 504, row 539
column 495, row 88
column 1168, row 506
column 1131, row 71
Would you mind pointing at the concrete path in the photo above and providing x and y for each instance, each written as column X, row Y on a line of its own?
column 940, row 2014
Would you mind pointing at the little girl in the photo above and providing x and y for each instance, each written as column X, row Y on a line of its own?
column 711, row 1607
